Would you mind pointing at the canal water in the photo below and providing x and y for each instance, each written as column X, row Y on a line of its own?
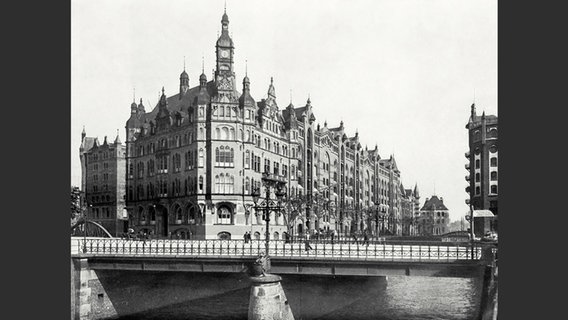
column 395, row 298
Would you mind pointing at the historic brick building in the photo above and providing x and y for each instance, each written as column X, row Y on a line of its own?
column 434, row 217
column 103, row 182
column 194, row 159
column 483, row 168
column 410, row 206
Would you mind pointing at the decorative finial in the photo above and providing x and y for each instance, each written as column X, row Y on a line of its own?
column 140, row 100
column 163, row 90
column 474, row 95
column 246, row 67
column 290, row 96
column 202, row 64
column 117, row 132
column 134, row 94
column 225, row 6
column 309, row 100
column 183, row 63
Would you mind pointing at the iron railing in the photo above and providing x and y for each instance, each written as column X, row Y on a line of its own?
column 278, row 249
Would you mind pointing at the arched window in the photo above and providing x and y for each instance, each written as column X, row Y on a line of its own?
column 232, row 134
column 247, row 185
column 179, row 216
column 218, row 184
column 257, row 235
column 141, row 215
column 224, row 133
column 494, row 175
column 217, row 133
column 201, row 157
column 192, row 218
column 276, row 235
column 247, row 159
column 224, row 215
column 494, row 189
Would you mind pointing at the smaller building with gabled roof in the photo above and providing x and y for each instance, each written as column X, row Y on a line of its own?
column 434, row 217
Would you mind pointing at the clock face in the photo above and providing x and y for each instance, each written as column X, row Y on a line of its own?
column 224, row 53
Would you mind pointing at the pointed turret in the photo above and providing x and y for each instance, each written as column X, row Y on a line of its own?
column 83, row 134
column 117, row 139
column 416, row 194
column 141, row 108
column 271, row 90
column 183, row 82
column 246, row 100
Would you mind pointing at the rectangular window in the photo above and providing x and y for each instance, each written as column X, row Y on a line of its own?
column 276, row 168
column 493, row 161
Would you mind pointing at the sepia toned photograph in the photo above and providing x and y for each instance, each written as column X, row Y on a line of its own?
column 263, row 159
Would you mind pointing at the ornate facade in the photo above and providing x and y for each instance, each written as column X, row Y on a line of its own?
column 194, row 159
column 483, row 168
column 103, row 182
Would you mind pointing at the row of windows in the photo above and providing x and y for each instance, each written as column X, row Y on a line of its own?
column 163, row 161
column 151, row 191
column 492, row 162
column 492, row 190
column 95, row 156
column 493, row 176
column 101, row 213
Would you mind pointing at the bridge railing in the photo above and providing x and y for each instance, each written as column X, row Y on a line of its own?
column 277, row 249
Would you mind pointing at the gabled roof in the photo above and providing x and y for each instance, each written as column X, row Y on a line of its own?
column 434, row 203
column 88, row 143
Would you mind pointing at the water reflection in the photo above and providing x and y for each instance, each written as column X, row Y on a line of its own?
column 344, row 298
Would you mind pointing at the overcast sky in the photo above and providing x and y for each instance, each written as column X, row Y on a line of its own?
column 403, row 73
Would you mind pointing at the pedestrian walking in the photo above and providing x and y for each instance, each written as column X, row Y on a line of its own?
column 307, row 245
column 355, row 238
column 332, row 235
column 366, row 239
column 245, row 236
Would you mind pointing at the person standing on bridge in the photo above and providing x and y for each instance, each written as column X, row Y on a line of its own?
column 355, row 238
column 366, row 239
column 307, row 245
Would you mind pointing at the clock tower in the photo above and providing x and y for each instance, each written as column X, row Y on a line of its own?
column 224, row 75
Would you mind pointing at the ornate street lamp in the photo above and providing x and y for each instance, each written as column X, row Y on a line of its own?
column 268, row 205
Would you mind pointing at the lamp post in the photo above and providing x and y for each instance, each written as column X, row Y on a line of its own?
column 471, row 233
column 85, row 227
column 267, row 205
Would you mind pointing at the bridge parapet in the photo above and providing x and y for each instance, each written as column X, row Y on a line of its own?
column 352, row 251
